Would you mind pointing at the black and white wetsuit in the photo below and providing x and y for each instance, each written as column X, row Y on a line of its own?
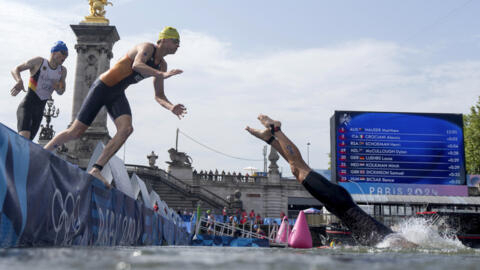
column 40, row 89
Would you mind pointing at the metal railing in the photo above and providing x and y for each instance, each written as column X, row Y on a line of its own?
column 166, row 177
column 178, row 184
column 226, row 178
column 226, row 229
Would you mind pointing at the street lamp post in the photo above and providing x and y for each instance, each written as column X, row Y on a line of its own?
column 308, row 153
column 47, row 132
column 265, row 159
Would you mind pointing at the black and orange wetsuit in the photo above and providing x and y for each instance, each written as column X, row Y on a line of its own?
column 109, row 90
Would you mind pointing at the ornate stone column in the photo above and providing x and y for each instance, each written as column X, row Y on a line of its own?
column 273, row 191
column 273, row 168
column 94, row 51
column 152, row 159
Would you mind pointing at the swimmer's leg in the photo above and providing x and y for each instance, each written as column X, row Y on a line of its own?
column 124, row 129
column 73, row 132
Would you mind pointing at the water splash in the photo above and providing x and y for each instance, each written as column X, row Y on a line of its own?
column 422, row 233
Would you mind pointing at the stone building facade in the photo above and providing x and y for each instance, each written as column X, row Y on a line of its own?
column 267, row 194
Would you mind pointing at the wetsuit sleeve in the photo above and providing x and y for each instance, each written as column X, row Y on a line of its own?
column 365, row 229
column 335, row 198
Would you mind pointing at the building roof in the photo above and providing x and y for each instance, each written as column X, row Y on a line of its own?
column 402, row 199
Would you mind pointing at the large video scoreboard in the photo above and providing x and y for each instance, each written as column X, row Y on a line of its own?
column 397, row 148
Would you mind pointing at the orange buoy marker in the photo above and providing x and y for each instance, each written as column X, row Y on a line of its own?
column 300, row 236
column 283, row 232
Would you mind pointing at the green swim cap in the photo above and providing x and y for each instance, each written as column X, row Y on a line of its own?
column 169, row 32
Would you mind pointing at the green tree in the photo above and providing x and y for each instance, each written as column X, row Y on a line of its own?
column 471, row 124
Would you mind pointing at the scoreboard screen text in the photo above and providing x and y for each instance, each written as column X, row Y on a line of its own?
column 413, row 148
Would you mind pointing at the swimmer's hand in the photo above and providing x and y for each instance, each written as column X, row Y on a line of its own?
column 17, row 88
column 179, row 110
column 172, row 73
column 59, row 87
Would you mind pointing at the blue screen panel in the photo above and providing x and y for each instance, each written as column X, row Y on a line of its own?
column 413, row 148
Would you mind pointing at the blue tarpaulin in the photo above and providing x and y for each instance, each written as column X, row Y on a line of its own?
column 228, row 241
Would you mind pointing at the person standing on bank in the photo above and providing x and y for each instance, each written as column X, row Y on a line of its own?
column 45, row 77
column 142, row 61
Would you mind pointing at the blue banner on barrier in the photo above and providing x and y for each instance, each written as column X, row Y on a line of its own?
column 228, row 241
column 46, row 201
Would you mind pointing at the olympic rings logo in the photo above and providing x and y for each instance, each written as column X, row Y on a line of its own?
column 67, row 220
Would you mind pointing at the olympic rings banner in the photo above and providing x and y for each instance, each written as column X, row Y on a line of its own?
column 46, row 201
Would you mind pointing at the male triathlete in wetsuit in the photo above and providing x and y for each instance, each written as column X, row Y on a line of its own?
column 365, row 229
column 45, row 76
column 142, row 61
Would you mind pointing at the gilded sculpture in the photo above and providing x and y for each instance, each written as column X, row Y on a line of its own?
column 97, row 12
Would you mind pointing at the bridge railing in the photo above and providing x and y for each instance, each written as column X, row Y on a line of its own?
column 174, row 182
column 229, row 178
column 138, row 169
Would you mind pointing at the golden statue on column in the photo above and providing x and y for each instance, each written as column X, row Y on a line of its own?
column 97, row 12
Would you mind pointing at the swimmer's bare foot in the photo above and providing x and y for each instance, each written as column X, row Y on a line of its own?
column 97, row 174
column 264, row 135
column 268, row 122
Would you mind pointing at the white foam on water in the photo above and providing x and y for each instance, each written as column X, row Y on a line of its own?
column 420, row 232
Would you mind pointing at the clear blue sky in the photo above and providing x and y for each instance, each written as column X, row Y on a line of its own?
column 268, row 24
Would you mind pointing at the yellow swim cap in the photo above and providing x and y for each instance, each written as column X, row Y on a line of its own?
column 169, row 32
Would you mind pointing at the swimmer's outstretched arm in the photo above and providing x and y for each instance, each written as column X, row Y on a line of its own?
column 144, row 53
column 179, row 109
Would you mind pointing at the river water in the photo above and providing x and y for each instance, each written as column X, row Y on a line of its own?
column 434, row 252
column 238, row 258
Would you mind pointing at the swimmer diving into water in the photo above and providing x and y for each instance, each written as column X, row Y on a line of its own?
column 365, row 229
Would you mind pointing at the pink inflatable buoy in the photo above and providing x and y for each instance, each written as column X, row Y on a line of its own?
column 283, row 232
column 300, row 236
